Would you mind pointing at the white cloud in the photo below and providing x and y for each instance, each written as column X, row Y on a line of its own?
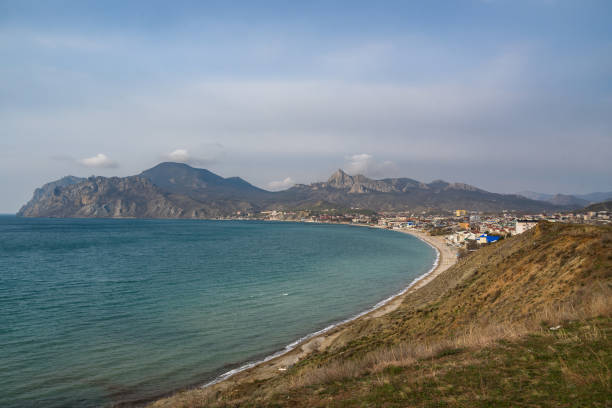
column 100, row 160
column 185, row 156
column 179, row 155
column 281, row 184
column 365, row 164
column 359, row 163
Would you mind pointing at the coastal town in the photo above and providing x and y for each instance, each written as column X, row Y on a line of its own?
column 463, row 229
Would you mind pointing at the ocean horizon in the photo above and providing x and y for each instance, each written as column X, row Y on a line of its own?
column 98, row 312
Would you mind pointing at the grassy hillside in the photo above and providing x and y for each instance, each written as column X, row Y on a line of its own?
column 524, row 322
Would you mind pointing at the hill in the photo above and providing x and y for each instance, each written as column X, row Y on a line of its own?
column 570, row 201
column 605, row 206
column 524, row 322
column 101, row 197
column 200, row 184
column 124, row 197
column 168, row 190
column 176, row 190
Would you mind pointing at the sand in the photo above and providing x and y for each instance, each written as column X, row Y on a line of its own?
column 447, row 257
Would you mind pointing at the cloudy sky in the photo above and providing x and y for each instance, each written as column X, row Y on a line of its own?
column 506, row 95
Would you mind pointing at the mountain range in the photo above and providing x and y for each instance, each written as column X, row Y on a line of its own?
column 573, row 200
column 177, row 190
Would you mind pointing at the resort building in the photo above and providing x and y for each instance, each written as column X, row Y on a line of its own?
column 524, row 225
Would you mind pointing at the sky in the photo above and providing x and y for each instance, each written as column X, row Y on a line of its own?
column 505, row 95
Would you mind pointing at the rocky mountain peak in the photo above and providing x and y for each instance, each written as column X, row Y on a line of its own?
column 341, row 180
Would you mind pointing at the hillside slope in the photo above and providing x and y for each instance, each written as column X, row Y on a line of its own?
column 477, row 335
column 604, row 206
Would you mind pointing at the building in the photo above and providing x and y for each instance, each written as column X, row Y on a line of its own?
column 524, row 225
column 487, row 239
column 460, row 213
column 461, row 238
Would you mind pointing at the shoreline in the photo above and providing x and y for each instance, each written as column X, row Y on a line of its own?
column 281, row 360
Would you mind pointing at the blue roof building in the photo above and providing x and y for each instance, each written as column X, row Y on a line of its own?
column 484, row 238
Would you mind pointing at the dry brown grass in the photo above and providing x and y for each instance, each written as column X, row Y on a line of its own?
column 474, row 336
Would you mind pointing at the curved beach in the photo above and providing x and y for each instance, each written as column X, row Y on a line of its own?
column 277, row 363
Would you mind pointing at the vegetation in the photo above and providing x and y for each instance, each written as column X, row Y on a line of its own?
column 525, row 322
column 440, row 231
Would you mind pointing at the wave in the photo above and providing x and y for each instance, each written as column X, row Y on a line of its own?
column 291, row 346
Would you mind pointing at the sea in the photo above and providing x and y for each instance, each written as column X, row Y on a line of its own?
column 100, row 312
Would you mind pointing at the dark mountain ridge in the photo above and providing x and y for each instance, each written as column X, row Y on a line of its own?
column 180, row 178
column 177, row 190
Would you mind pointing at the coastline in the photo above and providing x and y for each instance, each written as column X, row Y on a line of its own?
column 277, row 363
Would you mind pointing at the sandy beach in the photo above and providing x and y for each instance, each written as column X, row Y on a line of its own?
column 447, row 257
column 276, row 365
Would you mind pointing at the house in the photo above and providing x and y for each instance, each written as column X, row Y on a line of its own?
column 524, row 225
column 487, row 239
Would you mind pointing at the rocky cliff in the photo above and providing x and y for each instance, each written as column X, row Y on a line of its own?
column 101, row 197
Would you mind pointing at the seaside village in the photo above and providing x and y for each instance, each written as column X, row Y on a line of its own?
column 462, row 228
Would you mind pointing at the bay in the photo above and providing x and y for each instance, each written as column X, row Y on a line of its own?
column 95, row 312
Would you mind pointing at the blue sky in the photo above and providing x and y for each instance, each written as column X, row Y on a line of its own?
column 505, row 95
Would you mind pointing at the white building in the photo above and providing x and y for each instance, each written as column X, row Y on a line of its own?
column 524, row 225
column 460, row 238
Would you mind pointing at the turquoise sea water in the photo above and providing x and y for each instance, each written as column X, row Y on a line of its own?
column 95, row 312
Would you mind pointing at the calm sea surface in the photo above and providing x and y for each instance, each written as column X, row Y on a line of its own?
column 95, row 312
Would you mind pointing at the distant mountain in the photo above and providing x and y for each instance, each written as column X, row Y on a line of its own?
column 535, row 196
column 603, row 206
column 168, row 190
column 404, row 194
column 176, row 190
column 596, row 197
column 199, row 184
column 570, row 201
